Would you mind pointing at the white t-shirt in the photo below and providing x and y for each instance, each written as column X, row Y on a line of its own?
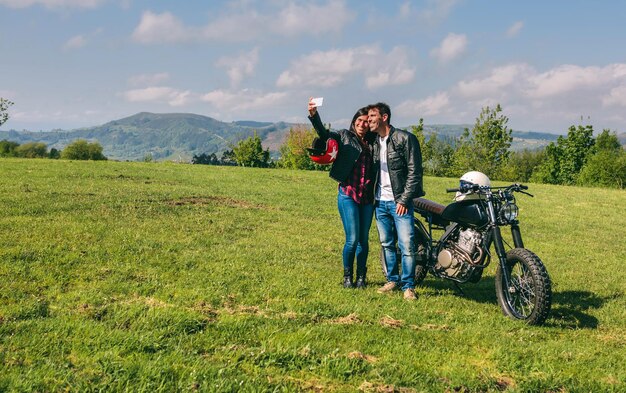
column 383, row 190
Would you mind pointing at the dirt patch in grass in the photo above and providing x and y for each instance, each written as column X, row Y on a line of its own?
column 377, row 388
column 205, row 309
column 290, row 315
column 504, row 383
column 361, row 355
column 350, row 319
column 430, row 326
column 148, row 301
column 389, row 322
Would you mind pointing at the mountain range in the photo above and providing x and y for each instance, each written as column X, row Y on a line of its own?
column 179, row 136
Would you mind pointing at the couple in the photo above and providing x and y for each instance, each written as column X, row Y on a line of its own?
column 379, row 169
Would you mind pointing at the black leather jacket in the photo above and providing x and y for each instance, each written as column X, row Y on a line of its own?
column 404, row 160
column 349, row 149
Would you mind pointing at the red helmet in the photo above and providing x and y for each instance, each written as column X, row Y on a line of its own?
column 324, row 153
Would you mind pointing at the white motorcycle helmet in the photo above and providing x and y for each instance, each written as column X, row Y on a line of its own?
column 473, row 177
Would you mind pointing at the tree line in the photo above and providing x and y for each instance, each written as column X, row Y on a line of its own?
column 578, row 158
column 80, row 149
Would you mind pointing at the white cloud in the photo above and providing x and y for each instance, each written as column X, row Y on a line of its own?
column 163, row 27
column 534, row 99
column 330, row 68
column 240, row 66
column 497, row 83
column 171, row 96
column 52, row 3
column 453, row 46
column 568, row 78
column 246, row 25
column 617, row 96
column 148, row 79
column 429, row 106
column 515, row 29
column 75, row 42
column 236, row 102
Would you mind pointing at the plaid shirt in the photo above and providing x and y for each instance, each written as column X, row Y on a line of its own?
column 358, row 186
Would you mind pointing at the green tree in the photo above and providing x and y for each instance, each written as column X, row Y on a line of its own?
column 54, row 154
column 228, row 158
column 293, row 153
column 7, row 148
column 565, row 159
column 522, row 165
column 32, row 150
column 4, row 108
column 608, row 140
column 606, row 167
column 418, row 131
column 80, row 149
column 486, row 147
column 249, row 152
column 438, row 156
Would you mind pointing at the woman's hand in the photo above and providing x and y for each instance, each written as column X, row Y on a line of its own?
column 312, row 107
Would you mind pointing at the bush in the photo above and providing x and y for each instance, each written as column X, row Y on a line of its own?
column 83, row 150
column 605, row 169
column 32, row 150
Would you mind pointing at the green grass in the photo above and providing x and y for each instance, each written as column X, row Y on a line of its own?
column 161, row 277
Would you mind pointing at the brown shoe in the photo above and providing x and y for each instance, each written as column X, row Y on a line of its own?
column 409, row 294
column 390, row 286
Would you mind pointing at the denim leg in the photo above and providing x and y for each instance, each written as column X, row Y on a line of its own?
column 405, row 230
column 349, row 213
column 387, row 235
column 366, row 213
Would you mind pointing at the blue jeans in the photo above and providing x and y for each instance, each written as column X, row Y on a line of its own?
column 357, row 220
column 393, row 228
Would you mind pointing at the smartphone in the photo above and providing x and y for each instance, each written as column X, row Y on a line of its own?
column 318, row 101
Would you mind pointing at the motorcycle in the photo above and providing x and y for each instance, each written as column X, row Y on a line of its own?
column 470, row 226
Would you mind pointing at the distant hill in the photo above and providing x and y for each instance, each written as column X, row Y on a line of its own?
column 178, row 136
column 163, row 136
column 521, row 139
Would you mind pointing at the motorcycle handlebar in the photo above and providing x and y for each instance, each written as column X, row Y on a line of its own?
column 475, row 187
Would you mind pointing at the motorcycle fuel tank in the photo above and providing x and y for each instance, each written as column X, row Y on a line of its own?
column 466, row 212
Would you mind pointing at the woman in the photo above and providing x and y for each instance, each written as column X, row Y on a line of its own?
column 353, row 169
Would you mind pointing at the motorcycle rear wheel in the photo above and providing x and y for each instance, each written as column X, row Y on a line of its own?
column 528, row 295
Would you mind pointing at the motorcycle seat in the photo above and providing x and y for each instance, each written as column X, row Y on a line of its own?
column 428, row 205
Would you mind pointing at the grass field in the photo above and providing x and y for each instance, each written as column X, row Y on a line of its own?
column 164, row 277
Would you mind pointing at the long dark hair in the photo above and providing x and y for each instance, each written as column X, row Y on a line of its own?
column 359, row 113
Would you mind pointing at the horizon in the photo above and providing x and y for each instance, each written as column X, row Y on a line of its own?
column 243, row 121
column 72, row 64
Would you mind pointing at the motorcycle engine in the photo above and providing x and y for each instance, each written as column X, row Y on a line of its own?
column 460, row 254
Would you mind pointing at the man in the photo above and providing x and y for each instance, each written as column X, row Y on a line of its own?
column 399, row 159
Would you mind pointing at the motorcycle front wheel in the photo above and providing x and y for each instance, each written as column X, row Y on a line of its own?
column 528, row 294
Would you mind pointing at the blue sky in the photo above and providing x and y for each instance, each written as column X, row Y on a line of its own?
column 75, row 63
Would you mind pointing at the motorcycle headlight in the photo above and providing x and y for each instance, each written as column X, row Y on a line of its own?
column 508, row 212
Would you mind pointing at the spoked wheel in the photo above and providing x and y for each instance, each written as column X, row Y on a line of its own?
column 528, row 294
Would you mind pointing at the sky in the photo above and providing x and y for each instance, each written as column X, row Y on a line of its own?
column 550, row 64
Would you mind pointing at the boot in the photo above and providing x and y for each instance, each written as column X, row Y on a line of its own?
column 347, row 278
column 361, row 272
